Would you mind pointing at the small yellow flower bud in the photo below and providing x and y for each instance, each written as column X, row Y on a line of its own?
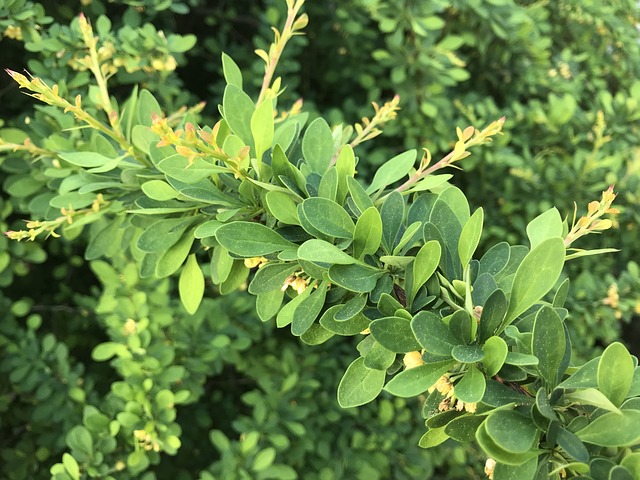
column 489, row 467
column 412, row 359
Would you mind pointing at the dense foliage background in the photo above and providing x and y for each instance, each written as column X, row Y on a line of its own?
column 253, row 399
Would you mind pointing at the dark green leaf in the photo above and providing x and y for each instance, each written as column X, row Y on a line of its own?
column 548, row 344
column 250, row 239
column 328, row 217
column 613, row 429
column 432, row 333
column 417, row 380
column 355, row 278
column 395, row 334
column 470, row 389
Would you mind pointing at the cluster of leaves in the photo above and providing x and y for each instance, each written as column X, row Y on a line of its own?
column 265, row 200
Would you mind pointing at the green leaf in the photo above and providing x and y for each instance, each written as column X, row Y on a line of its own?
column 548, row 343
column 191, row 285
column 250, row 239
column 328, row 187
column 432, row 333
column 378, row 357
column 591, row 396
column 262, row 128
column 525, row 471
column 231, row 71
column 615, row 373
column 85, row 159
column 433, row 437
column 511, row 431
column 285, row 316
column 351, row 308
column 158, row 190
column 360, row 198
column 71, row 466
column 425, row 264
column 467, row 353
column 237, row 109
column 470, row 389
column 308, row 310
column 495, row 351
column 347, row 328
column 359, row 385
column 392, row 214
column 328, row 217
column 493, row 312
column 268, row 304
column 463, row 429
column 316, row 335
column 315, row 250
column 161, row 235
column 572, row 445
column 613, row 430
column 368, row 233
column 536, row 275
column 171, row 260
column 271, row 277
column 395, row 334
column 417, row 380
column 79, row 439
column 355, row 278
column 283, row 207
column 189, row 171
column 470, row 237
column 346, row 168
column 392, row 171
column 317, row 146
column 544, row 226
column 264, row 459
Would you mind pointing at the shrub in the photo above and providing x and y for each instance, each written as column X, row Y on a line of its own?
column 273, row 202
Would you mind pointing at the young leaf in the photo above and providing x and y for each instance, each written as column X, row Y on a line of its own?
column 424, row 265
column 191, row 285
column 536, row 275
column 282, row 206
column 232, row 74
column 392, row 215
column 346, row 167
column 262, row 128
column 615, row 373
column 359, row 385
column 392, row 171
column 470, row 237
column 237, row 109
column 360, row 198
column 368, row 233
column 317, row 146
column 544, row 226
column 250, row 239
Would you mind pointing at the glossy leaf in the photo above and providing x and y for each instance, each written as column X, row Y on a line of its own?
column 495, row 351
column 536, row 275
column 368, row 233
column 317, row 145
column 417, row 380
column 615, row 373
column 432, row 333
column 425, row 265
column 470, row 237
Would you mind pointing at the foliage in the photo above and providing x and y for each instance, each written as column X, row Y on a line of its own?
column 267, row 199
